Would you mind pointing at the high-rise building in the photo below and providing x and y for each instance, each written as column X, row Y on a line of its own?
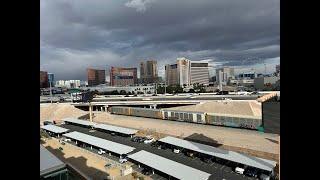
column 51, row 79
column 224, row 75
column 148, row 72
column 44, row 79
column 186, row 72
column 96, row 77
column 199, row 72
column 123, row 76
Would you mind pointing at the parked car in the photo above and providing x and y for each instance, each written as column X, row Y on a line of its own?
column 101, row 152
column 149, row 140
column 239, row 170
column 108, row 165
column 146, row 171
column 113, row 134
column 141, row 139
column 47, row 123
column 60, row 148
column 206, row 159
column 190, row 154
column 251, row 172
column 67, row 140
column 176, row 151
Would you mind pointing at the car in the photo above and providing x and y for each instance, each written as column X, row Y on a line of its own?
column 149, row 140
column 101, row 152
column 60, row 148
column 146, row 171
column 205, row 159
column 141, row 139
column 123, row 160
column 47, row 123
column 113, row 134
column 251, row 172
column 190, row 154
column 239, row 170
column 67, row 140
column 108, row 165
column 176, row 151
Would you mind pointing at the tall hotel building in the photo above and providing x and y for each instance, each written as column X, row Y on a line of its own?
column 96, row 77
column 123, row 76
column 148, row 72
column 187, row 72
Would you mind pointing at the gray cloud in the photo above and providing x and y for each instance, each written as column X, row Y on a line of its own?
column 76, row 35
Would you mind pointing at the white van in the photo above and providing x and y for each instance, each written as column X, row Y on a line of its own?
column 239, row 170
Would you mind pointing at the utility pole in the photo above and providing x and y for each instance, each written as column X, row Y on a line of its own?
column 50, row 91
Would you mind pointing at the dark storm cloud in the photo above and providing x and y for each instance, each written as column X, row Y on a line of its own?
column 122, row 32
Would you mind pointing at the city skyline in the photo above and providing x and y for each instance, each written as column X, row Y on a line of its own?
column 75, row 36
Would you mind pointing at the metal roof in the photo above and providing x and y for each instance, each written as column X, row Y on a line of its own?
column 168, row 166
column 78, row 121
column 101, row 143
column 252, row 161
column 49, row 162
column 116, row 129
column 54, row 129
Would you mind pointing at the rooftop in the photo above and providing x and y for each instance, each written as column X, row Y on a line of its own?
column 168, row 166
column 48, row 162
column 99, row 142
column 252, row 161
column 54, row 129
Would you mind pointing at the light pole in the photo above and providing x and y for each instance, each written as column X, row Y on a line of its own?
column 50, row 91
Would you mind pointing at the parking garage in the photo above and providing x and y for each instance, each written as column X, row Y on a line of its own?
column 255, row 162
column 173, row 169
column 95, row 142
column 54, row 130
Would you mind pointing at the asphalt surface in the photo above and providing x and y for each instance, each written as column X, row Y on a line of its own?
column 271, row 117
column 218, row 171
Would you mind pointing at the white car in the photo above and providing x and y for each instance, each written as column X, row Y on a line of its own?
column 176, row 151
column 239, row 170
column 101, row 151
column 123, row 160
column 149, row 140
column 67, row 140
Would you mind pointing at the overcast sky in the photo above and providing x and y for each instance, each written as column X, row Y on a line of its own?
column 77, row 34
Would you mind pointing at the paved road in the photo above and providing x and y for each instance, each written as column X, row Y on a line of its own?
column 218, row 171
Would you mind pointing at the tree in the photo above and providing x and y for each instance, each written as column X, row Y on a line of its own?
column 191, row 91
column 123, row 92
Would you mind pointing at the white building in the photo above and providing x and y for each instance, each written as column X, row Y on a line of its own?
column 186, row 72
column 223, row 75
column 68, row 83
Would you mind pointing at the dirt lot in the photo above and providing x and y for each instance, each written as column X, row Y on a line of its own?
column 87, row 163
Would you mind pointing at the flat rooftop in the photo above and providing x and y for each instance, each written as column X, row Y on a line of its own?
column 252, row 161
column 100, row 143
column 48, row 162
column 118, row 129
column 78, row 121
column 168, row 166
column 54, row 129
